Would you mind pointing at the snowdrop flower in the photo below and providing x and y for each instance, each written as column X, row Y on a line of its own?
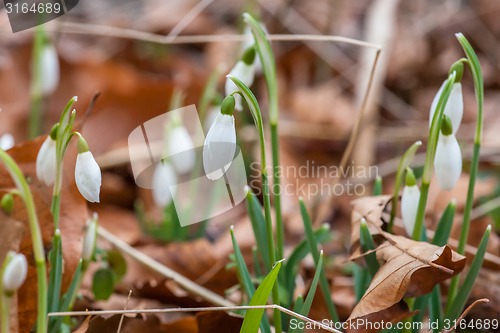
column 6, row 141
column 448, row 160
column 14, row 274
column 46, row 159
column 89, row 240
column 163, row 177
column 181, row 149
column 220, row 144
column 409, row 202
column 455, row 106
column 87, row 173
column 49, row 69
column 243, row 70
column 250, row 42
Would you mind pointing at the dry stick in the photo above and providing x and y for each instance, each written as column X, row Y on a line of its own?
column 123, row 315
column 163, row 270
column 188, row 18
column 200, row 309
column 325, row 207
column 462, row 316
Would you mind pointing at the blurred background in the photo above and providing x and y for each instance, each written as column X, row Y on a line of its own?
column 131, row 53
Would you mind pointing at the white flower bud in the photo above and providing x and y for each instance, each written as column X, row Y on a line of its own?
column 181, row 149
column 448, row 161
column 15, row 273
column 219, row 147
column 46, row 162
column 6, row 141
column 88, row 176
column 163, row 177
column 89, row 239
column 409, row 207
column 49, row 69
column 454, row 107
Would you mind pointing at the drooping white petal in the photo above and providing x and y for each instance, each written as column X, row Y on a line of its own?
column 46, row 162
column 49, row 68
column 15, row 273
column 88, row 176
column 448, row 161
column 163, row 177
column 245, row 73
column 219, row 147
column 181, row 149
column 454, row 107
column 409, row 207
column 6, row 141
column 90, row 238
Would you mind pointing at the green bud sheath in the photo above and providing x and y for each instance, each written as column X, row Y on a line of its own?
column 446, row 127
column 53, row 131
column 82, row 145
column 410, row 178
column 458, row 68
column 227, row 106
column 7, row 203
column 248, row 56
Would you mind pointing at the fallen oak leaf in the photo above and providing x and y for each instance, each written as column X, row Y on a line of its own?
column 409, row 268
column 371, row 209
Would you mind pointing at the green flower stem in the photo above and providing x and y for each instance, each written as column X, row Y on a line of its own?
column 477, row 75
column 431, row 152
column 36, row 237
column 265, row 52
column 36, row 84
column 249, row 97
column 5, row 313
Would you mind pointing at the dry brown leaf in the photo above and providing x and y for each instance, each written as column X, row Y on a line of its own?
column 370, row 208
column 409, row 269
column 218, row 321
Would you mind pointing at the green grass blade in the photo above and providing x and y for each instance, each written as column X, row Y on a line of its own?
column 458, row 303
column 443, row 229
column 55, row 276
column 436, row 307
column 313, row 247
column 377, row 186
column 246, row 280
column 362, row 279
column 259, row 227
column 253, row 317
column 291, row 266
column 367, row 244
column 312, row 290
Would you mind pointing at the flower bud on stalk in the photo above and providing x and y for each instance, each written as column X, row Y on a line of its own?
column 46, row 158
column 409, row 202
column 448, row 160
column 243, row 70
column 87, row 173
column 14, row 274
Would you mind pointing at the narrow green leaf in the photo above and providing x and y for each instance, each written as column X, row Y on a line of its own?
column 246, row 280
column 458, row 303
column 299, row 302
column 313, row 247
column 251, row 101
column 55, row 275
column 436, row 307
column 443, row 229
column 312, row 290
column 259, row 226
column 367, row 244
column 253, row 317
column 291, row 266
column 256, row 261
column 377, row 186
column 362, row 279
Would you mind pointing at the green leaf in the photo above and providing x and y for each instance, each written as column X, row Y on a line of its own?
column 377, row 186
column 458, row 303
column 259, row 227
column 253, row 317
column 312, row 290
column 246, row 280
column 291, row 266
column 443, row 229
column 103, row 283
column 117, row 264
column 55, row 276
column 367, row 244
column 313, row 247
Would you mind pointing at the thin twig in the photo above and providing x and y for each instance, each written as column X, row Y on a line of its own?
column 123, row 314
column 200, row 309
column 188, row 18
column 167, row 272
column 462, row 316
